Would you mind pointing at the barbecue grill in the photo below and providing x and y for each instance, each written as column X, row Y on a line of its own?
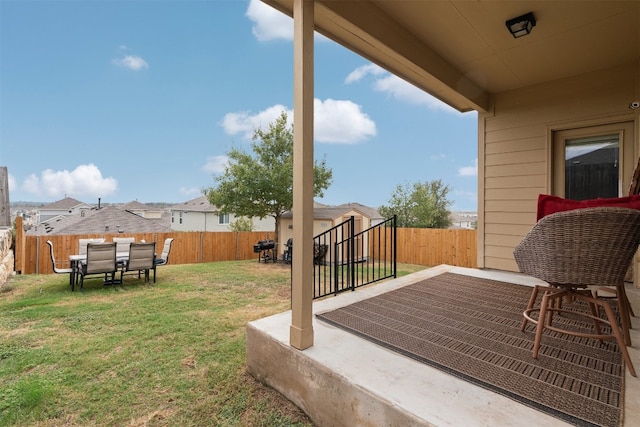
column 266, row 250
column 289, row 252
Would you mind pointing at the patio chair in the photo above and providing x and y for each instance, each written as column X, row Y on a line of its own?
column 575, row 252
column 101, row 260
column 164, row 257
column 122, row 243
column 57, row 269
column 141, row 258
column 82, row 244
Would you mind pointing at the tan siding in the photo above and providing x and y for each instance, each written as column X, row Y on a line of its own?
column 507, row 195
column 513, row 206
column 509, row 241
column 502, row 217
column 501, row 263
column 530, row 193
column 507, row 229
column 517, row 157
column 529, row 181
column 520, row 134
column 498, row 251
column 516, row 138
column 516, row 170
column 511, row 146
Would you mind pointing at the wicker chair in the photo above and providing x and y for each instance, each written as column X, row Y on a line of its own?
column 576, row 252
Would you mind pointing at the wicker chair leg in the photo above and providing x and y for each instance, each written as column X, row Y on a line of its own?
column 596, row 323
column 619, row 338
column 541, row 323
column 532, row 301
column 624, row 306
column 625, row 316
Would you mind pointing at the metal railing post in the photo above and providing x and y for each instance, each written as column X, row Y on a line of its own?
column 395, row 248
column 352, row 254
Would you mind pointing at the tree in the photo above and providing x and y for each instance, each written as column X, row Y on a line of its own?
column 241, row 224
column 262, row 185
column 421, row 205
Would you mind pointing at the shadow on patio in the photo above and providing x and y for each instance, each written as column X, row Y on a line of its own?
column 344, row 380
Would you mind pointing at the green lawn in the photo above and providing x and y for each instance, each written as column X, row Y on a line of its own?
column 172, row 354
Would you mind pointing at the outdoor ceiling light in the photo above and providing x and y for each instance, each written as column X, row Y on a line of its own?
column 522, row 25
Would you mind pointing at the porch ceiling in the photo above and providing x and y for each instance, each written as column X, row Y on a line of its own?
column 461, row 52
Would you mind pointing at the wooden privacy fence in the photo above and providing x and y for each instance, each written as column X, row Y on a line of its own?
column 434, row 246
column 189, row 247
column 421, row 246
column 429, row 246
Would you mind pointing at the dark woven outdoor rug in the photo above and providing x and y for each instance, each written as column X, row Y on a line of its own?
column 470, row 328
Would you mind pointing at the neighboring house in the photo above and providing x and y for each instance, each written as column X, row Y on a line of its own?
column 462, row 219
column 325, row 217
column 106, row 220
column 142, row 210
column 200, row 215
column 61, row 208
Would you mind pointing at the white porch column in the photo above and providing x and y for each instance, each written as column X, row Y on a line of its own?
column 301, row 330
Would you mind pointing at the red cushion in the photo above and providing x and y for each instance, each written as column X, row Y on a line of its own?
column 551, row 204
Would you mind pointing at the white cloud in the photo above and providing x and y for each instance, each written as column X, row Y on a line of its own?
column 190, row 191
column 269, row 23
column 131, row 62
column 341, row 122
column 363, row 71
column 83, row 181
column 469, row 170
column 394, row 86
column 244, row 123
column 336, row 121
column 216, row 164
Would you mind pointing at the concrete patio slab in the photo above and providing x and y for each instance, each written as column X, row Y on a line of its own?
column 344, row 380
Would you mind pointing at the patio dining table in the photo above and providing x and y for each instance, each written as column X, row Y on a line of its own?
column 77, row 260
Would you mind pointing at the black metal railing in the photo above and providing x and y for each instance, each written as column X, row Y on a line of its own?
column 344, row 260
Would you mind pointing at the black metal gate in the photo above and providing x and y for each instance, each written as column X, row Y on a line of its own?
column 344, row 260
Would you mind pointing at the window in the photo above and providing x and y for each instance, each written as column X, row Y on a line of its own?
column 181, row 217
column 223, row 219
column 591, row 167
column 593, row 162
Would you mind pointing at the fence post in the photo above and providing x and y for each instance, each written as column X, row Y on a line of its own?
column 18, row 249
column 37, row 254
column 237, row 243
column 201, row 246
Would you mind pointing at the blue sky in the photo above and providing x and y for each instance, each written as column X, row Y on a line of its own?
column 140, row 100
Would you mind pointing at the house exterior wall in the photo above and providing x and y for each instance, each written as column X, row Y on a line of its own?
column 209, row 221
column 319, row 227
column 148, row 214
column 515, row 150
column 267, row 223
column 286, row 231
column 46, row 214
